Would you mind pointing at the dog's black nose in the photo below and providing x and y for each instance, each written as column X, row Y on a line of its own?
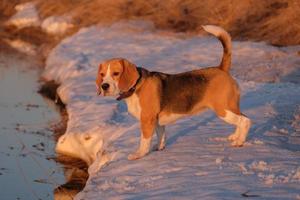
column 105, row 86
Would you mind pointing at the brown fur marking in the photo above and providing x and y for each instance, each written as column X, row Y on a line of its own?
column 150, row 105
column 129, row 75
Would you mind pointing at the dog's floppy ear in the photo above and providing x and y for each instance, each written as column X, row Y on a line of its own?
column 99, row 80
column 129, row 75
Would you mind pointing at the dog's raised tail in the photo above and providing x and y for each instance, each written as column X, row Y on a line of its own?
column 225, row 39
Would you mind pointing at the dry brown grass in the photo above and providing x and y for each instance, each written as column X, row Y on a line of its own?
column 274, row 21
column 32, row 35
column 7, row 8
column 277, row 22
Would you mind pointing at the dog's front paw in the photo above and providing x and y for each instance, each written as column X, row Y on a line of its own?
column 233, row 137
column 134, row 156
column 237, row 143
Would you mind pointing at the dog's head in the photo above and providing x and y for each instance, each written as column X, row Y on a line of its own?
column 115, row 76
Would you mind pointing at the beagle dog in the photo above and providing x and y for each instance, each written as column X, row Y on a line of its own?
column 158, row 99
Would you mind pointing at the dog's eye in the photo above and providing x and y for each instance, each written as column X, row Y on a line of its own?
column 116, row 73
column 101, row 74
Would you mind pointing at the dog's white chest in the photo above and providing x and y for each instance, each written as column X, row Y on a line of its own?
column 133, row 105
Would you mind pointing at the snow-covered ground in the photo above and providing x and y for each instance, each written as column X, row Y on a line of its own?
column 198, row 162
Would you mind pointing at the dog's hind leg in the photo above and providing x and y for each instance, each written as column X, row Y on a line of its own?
column 242, row 124
column 235, row 135
column 234, row 108
column 245, row 124
column 161, row 138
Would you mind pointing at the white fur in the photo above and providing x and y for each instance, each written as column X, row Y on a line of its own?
column 113, row 85
column 143, row 149
column 242, row 124
column 244, row 128
column 215, row 30
column 107, row 77
column 218, row 32
column 133, row 105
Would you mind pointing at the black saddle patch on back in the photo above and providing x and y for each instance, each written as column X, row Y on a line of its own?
column 181, row 92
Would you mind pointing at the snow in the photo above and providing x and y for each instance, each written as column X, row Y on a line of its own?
column 198, row 162
column 22, row 46
column 57, row 25
column 26, row 16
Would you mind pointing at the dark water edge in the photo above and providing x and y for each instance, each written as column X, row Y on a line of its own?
column 75, row 169
column 29, row 128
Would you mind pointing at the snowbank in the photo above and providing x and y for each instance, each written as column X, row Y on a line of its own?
column 198, row 162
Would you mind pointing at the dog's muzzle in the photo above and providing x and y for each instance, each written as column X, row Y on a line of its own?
column 105, row 86
column 98, row 90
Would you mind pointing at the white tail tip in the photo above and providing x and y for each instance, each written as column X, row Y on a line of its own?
column 215, row 30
